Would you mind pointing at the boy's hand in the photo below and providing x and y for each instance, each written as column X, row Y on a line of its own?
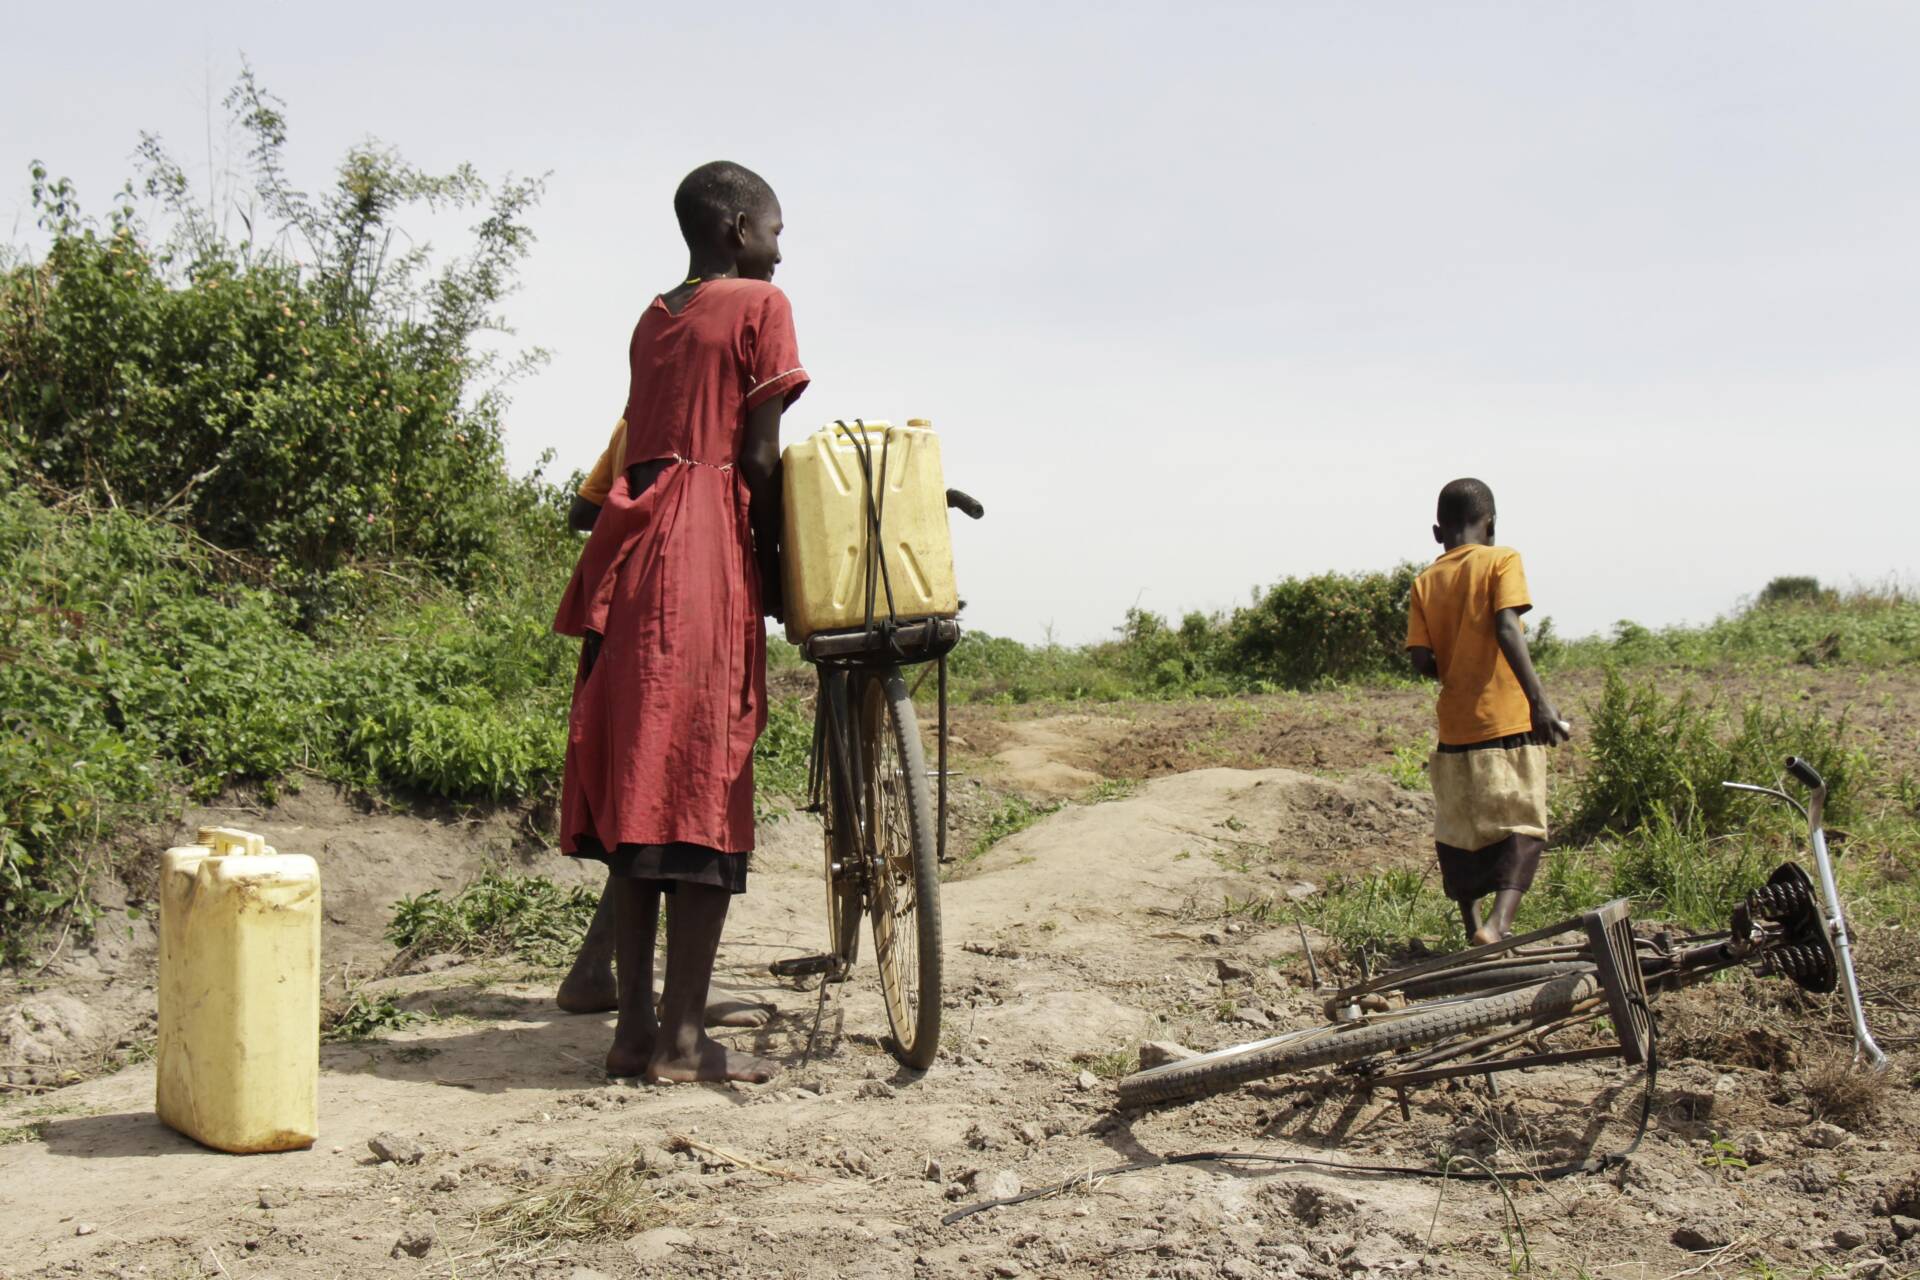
column 1547, row 724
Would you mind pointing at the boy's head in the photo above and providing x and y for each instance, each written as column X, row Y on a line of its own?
column 727, row 210
column 1465, row 514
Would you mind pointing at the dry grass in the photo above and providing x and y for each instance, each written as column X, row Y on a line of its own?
column 1838, row 1090
column 609, row 1202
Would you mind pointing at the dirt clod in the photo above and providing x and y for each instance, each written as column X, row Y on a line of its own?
column 1158, row 1053
column 416, row 1241
column 1698, row 1237
column 1825, row 1136
column 272, row 1198
column 398, row 1148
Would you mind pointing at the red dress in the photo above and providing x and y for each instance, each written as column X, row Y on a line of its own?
column 660, row 739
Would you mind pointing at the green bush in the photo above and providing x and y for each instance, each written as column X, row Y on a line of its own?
column 527, row 916
column 1793, row 590
column 1332, row 627
column 1654, row 758
column 316, row 403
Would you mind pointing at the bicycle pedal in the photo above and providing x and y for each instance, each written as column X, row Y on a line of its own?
column 806, row 966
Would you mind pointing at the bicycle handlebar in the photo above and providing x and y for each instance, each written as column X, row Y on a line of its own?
column 966, row 505
column 1805, row 772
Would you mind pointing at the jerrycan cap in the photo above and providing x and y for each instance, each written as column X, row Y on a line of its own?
column 225, row 841
column 924, row 424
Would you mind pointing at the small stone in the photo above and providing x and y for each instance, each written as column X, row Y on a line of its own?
column 1212, row 938
column 933, row 1172
column 1905, row 1228
column 658, row 1244
column 1001, row 1185
column 1158, row 1053
column 1240, row 1269
column 1825, row 1136
column 85, row 1229
column 414, row 1242
column 1086, row 1082
column 527, row 1171
column 854, row 1161
column 587, row 1273
column 1228, row 971
column 441, row 960
column 1301, row 890
column 1007, row 1271
column 448, row 1181
column 1702, row 1236
column 397, row 1148
column 1846, row 1238
column 876, row 1089
column 1251, row 1016
column 655, row 1160
column 979, row 1137
column 272, row 1198
column 1031, row 1134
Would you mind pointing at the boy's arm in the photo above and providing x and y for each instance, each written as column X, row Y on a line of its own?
column 582, row 514
column 1513, row 644
column 1424, row 663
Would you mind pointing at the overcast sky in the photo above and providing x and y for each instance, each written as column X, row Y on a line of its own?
column 1199, row 295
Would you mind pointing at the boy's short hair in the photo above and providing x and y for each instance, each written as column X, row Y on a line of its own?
column 1464, row 501
column 713, row 194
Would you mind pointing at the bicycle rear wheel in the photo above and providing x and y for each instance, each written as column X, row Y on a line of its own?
column 1343, row 1042
column 903, row 887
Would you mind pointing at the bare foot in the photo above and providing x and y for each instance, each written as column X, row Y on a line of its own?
column 738, row 1013
column 1484, row 934
column 594, row 992
column 711, row 1060
column 627, row 1060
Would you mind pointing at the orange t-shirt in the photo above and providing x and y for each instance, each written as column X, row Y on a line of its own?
column 599, row 481
column 1455, row 601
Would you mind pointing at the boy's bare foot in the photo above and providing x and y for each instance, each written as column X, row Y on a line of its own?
column 711, row 1060
column 1484, row 934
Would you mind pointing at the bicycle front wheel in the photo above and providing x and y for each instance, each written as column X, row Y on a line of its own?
column 1342, row 1042
column 903, row 887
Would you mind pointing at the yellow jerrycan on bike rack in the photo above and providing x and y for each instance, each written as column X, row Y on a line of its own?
column 852, row 488
column 239, row 1051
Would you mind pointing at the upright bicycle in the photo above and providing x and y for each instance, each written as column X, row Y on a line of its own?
column 1497, row 1007
column 885, row 826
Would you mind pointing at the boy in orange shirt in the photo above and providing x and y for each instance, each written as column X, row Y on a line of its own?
column 1489, row 770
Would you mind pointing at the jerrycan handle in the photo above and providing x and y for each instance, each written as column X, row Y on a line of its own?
column 222, row 842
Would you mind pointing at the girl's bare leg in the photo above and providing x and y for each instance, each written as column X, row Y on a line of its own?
column 636, row 1034
column 1470, row 919
column 683, row 1050
column 589, row 986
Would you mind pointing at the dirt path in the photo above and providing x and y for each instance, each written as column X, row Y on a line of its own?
column 1067, row 944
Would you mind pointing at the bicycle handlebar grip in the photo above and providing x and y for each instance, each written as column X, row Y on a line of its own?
column 967, row 506
column 1805, row 772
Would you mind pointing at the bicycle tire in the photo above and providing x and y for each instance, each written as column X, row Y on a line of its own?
column 1339, row 1043
column 846, row 899
column 903, row 882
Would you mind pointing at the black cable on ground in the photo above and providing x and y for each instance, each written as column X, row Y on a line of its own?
column 1596, row 1164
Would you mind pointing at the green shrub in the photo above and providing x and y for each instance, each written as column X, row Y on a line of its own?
column 1793, row 590
column 315, row 404
column 1331, row 627
column 1652, row 757
column 528, row 916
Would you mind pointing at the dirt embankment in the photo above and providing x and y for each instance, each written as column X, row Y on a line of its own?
column 1069, row 943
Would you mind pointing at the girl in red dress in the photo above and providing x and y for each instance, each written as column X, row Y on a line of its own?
column 668, row 597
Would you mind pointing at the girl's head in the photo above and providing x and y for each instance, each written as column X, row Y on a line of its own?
column 729, row 214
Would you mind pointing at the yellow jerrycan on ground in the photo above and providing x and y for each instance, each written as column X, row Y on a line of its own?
column 828, row 539
column 239, row 1052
